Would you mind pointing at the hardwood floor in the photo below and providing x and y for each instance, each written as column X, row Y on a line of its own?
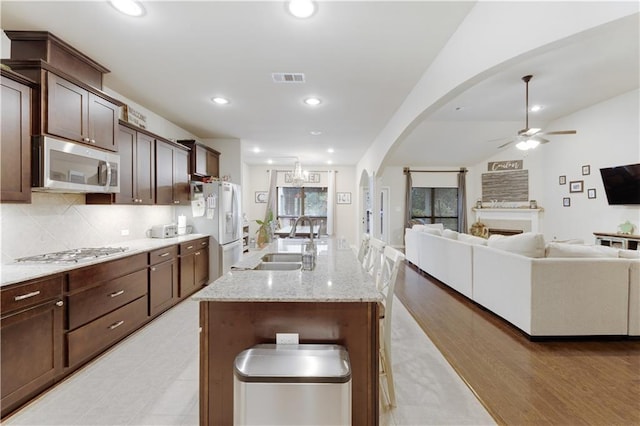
column 521, row 382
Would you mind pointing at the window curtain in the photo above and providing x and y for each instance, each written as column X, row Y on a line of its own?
column 462, row 200
column 331, row 201
column 271, row 198
column 407, row 198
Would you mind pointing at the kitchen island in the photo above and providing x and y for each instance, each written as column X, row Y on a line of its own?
column 334, row 303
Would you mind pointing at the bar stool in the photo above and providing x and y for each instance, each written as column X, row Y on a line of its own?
column 373, row 259
column 364, row 248
column 386, row 282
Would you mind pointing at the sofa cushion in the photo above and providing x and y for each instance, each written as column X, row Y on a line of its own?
column 528, row 244
column 577, row 250
column 417, row 227
column 466, row 238
column 451, row 234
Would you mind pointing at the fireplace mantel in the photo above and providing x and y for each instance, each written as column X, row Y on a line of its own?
column 521, row 214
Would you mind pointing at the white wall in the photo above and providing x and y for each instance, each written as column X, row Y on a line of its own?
column 230, row 157
column 257, row 179
column 608, row 135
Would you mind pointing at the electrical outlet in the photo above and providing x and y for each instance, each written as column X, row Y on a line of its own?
column 124, row 232
column 286, row 338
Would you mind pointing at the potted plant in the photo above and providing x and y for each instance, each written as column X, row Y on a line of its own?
column 265, row 229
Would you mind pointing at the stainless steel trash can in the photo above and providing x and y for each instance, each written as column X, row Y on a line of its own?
column 292, row 385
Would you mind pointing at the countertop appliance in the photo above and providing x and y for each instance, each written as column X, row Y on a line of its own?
column 62, row 166
column 164, row 231
column 216, row 211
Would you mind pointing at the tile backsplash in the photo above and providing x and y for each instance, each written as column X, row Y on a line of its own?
column 54, row 222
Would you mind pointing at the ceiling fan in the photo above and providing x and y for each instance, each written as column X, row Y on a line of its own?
column 531, row 137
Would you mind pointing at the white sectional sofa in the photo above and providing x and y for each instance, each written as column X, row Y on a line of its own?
column 542, row 296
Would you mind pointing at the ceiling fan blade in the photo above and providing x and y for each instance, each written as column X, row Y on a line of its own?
column 541, row 140
column 505, row 144
column 529, row 132
column 560, row 132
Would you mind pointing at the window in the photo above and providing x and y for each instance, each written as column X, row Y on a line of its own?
column 435, row 205
column 302, row 201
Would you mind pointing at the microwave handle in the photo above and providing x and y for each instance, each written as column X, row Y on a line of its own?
column 108, row 183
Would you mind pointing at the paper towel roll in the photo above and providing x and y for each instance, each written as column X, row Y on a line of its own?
column 182, row 224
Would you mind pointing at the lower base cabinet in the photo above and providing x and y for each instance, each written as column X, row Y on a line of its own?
column 89, row 340
column 31, row 341
column 163, row 284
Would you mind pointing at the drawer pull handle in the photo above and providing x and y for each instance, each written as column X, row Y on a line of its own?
column 197, row 253
column 59, row 303
column 165, row 254
column 153, row 269
column 117, row 293
column 189, row 248
column 204, row 243
column 26, row 296
column 116, row 325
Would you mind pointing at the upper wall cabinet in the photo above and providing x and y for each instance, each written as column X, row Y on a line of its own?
column 15, row 142
column 172, row 173
column 203, row 161
column 71, row 103
column 77, row 114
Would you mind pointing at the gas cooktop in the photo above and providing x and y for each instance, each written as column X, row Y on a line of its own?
column 73, row 256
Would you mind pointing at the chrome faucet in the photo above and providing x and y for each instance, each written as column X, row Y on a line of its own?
column 295, row 225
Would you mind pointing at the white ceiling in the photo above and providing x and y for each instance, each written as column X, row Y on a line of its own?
column 360, row 58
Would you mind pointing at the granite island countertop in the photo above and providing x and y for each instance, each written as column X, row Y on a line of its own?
column 11, row 273
column 337, row 277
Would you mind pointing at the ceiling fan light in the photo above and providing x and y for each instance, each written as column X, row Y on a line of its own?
column 533, row 143
column 522, row 145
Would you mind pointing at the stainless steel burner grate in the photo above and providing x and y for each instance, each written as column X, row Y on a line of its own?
column 73, row 256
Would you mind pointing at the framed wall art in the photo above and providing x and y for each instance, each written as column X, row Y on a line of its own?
column 591, row 193
column 343, row 198
column 586, row 170
column 562, row 180
column 261, row 197
column 566, row 202
column 576, row 186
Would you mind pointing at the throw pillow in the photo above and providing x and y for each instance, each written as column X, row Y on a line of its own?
column 433, row 231
column 466, row 238
column 629, row 254
column 578, row 250
column 417, row 227
column 450, row 234
column 528, row 244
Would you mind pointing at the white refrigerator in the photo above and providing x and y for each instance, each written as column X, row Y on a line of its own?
column 216, row 210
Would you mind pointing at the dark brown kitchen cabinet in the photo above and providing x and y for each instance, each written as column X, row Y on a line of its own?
column 31, row 332
column 163, row 279
column 75, row 113
column 137, row 170
column 105, row 302
column 194, row 266
column 15, row 141
column 203, row 160
column 172, row 173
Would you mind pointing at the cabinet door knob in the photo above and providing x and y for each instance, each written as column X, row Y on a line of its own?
column 92, row 141
column 153, row 269
column 176, row 202
column 85, row 139
column 59, row 303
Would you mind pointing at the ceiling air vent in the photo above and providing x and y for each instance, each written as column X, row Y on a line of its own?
column 288, row 77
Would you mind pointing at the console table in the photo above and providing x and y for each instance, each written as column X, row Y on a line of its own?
column 623, row 241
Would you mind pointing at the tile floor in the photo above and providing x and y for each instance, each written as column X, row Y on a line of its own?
column 151, row 378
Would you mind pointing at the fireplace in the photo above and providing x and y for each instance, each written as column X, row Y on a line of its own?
column 507, row 232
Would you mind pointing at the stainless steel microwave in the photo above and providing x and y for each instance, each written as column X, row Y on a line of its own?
column 62, row 166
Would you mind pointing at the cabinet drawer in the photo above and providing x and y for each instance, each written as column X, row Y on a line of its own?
column 162, row 255
column 103, row 332
column 194, row 245
column 79, row 278
column 94, row 302
column 30, row 294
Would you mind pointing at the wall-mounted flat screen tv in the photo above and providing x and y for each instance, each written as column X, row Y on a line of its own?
column 622, row 184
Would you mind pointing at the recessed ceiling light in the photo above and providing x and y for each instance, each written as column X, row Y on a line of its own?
column 269, row 161
column 301, row 8
column 536, row 108
column 312, row 101
column 128, row 7
column 256, row 150
column 220, row 100
column 330, row 150
column 315, row 132
column 329, row 162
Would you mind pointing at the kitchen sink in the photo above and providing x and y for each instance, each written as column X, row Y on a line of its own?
column 279, row 266
column 282, row 257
